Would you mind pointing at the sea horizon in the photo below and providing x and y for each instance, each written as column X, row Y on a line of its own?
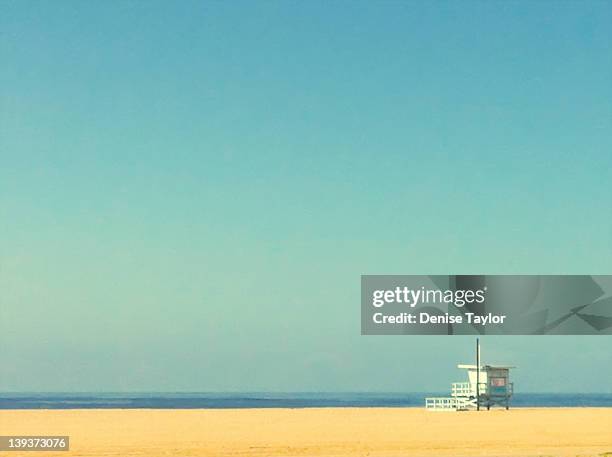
column 246, row 400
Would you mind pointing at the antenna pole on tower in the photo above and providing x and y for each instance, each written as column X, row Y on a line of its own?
column 477, row 374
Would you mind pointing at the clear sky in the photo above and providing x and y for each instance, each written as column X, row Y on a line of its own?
column 190, row 191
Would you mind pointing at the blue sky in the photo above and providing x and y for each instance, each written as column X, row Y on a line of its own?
column 190, row 191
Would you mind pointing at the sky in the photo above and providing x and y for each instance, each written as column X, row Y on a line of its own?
column 190, row 191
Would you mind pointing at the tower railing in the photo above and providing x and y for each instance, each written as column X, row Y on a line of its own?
column 463, row 397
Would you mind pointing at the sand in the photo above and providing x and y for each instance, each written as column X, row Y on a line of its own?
column 319, row 432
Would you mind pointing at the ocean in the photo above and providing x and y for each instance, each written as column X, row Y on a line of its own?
column 269, row 400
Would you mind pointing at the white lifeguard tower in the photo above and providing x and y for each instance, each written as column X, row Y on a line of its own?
column 487, row 385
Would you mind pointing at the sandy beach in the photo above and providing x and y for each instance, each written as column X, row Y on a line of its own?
column 319, row 432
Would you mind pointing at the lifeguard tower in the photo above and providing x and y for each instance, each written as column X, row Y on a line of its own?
column 487, row 385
